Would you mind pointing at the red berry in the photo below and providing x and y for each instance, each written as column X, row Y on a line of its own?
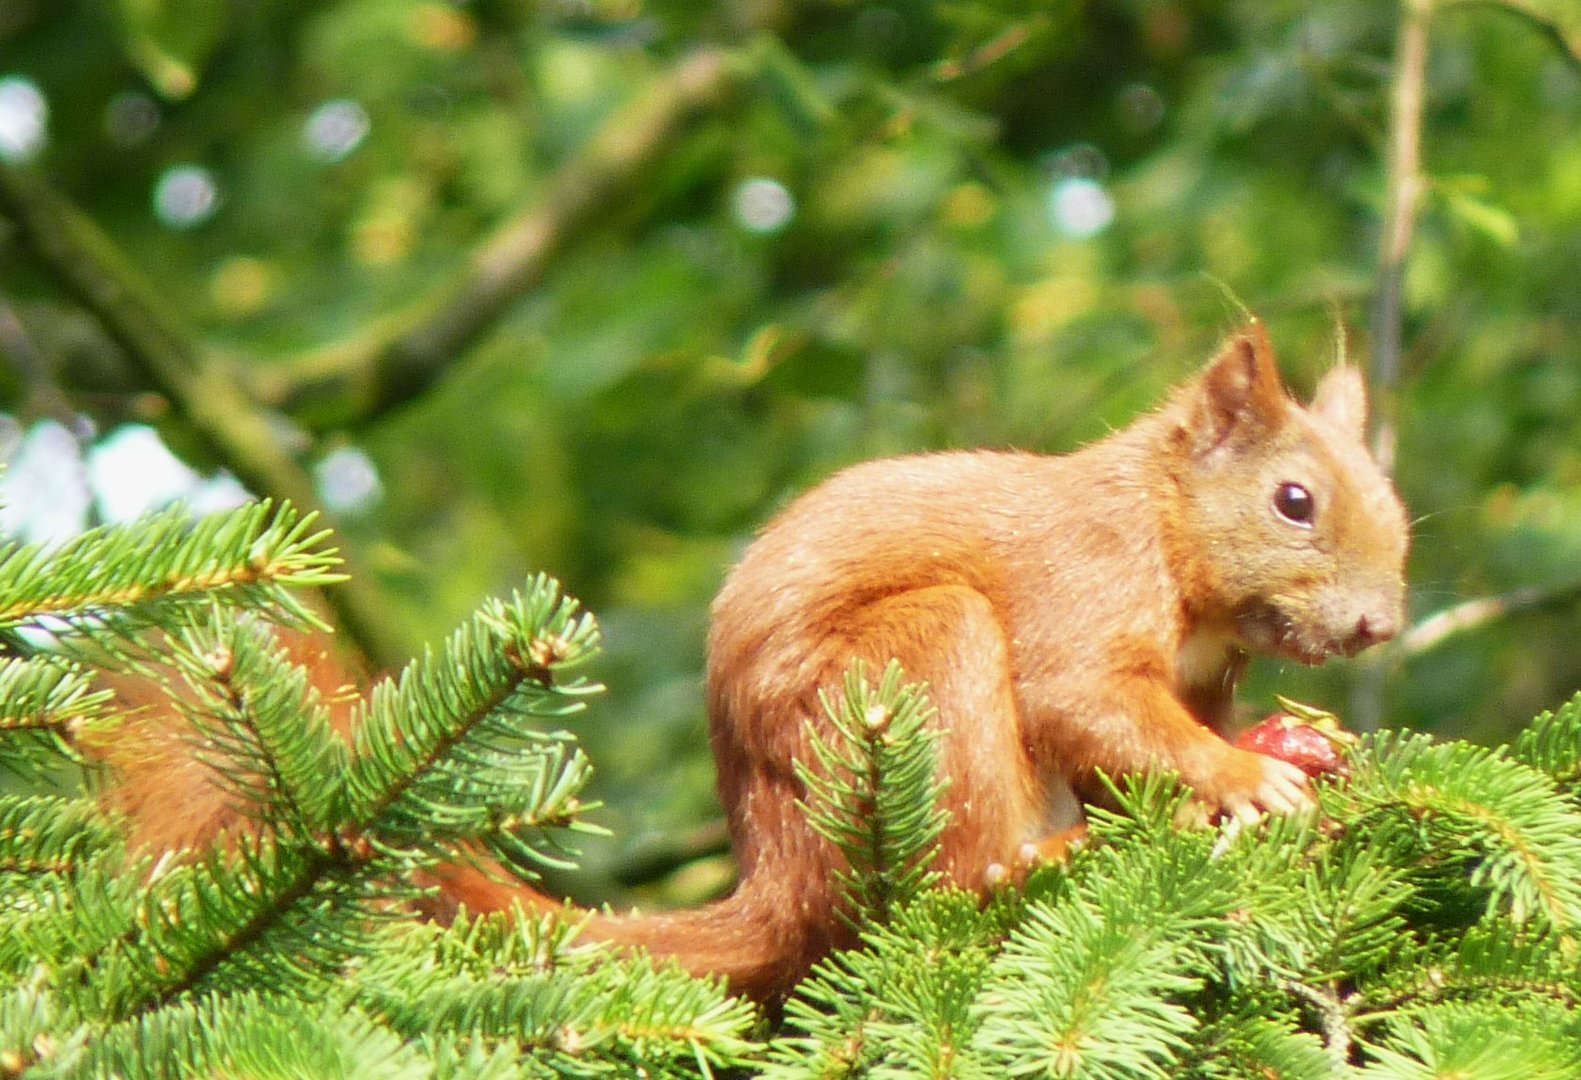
column 1307, row 738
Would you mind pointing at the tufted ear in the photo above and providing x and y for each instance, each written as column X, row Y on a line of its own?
column 1341, row 401
column 1238, row 393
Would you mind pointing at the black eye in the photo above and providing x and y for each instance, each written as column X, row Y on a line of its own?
column 1295, row 504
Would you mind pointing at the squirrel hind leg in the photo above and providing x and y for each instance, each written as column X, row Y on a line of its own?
column 950, row 637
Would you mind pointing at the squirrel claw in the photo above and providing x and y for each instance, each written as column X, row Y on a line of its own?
column 1057, row 847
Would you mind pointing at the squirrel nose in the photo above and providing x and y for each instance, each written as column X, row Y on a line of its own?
column 1372, row 629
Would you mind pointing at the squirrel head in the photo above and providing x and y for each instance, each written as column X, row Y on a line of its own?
column 1293, row 539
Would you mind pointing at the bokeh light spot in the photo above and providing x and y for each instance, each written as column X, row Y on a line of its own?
column 1080, row 207
column 335, row 129
column 131, row 118
column 24, row 115
column 763, row 205
column 348, row 481
column 241, row 286
column 185, row 196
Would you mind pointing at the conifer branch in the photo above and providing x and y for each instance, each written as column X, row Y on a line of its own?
column 446, row 755
column 1484, row 962
column 1457, row 799
column 1491, row 1038
column 112, row 580
column 873, row 790
column 45, row 703
column 36, row 1031
column 525, row 980
column 248, row 1034
column 905, row 1004
column 1331, row 1012
column 1551, row 743
column 47, row 694
column 49, row 834
column 1253, row 1044
column 259, row 725
column 225, row 920
column 449, row 753
column 1093, row 984
column 70, row 929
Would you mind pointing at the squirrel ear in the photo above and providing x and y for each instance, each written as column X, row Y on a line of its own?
column 1341, row 400
column 1238, row 392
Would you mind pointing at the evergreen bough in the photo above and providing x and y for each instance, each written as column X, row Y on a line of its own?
column 1423, row 923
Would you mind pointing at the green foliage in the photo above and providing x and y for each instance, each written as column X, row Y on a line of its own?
column 44, row 702
column 108, row 582
column 447, row 753
column 873, row 790
column 1499, row 1042
column 1392, row 935
column 1551, row 743
column 1454, row 809
column 579, row 1012
column 259, row 726
column 289, row 948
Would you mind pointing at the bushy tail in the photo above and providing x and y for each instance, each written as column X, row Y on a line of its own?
column 759, row 939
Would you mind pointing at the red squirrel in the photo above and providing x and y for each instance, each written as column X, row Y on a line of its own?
column 1070, row 615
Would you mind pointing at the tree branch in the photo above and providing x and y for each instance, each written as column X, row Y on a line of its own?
column 41, row 394
column 1567, row 39
column 353, row 382
column 1403, row 192
column 1479, row 611
column 228, row 405
column 163, row 354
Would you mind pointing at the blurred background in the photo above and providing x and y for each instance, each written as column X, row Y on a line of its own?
column 594, row 286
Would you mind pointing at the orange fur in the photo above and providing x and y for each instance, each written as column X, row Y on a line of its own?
column 1070, row 614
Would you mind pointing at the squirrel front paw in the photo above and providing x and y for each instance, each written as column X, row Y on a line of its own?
column 1245, row 785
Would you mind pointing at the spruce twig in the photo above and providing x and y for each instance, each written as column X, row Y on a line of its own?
column 873, row 790
column 45, row 702
column 111, row 581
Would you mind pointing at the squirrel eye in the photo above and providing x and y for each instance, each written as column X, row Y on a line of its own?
column 1295, row 504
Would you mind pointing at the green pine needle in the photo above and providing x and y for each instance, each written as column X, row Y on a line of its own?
column 115, row 579
column 1092, row 986
column 258, row 723
column 873, row 790
column 1531, row 1040
column 47, row 694
column 1551, row 743
column 453, row 752
column 49, row 834
column 45, row 702
column 902, row 1005
column 578, row 1009
column 1246, row 1046
column 249, row 1034
column 259, row 912
column 1471, row 813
